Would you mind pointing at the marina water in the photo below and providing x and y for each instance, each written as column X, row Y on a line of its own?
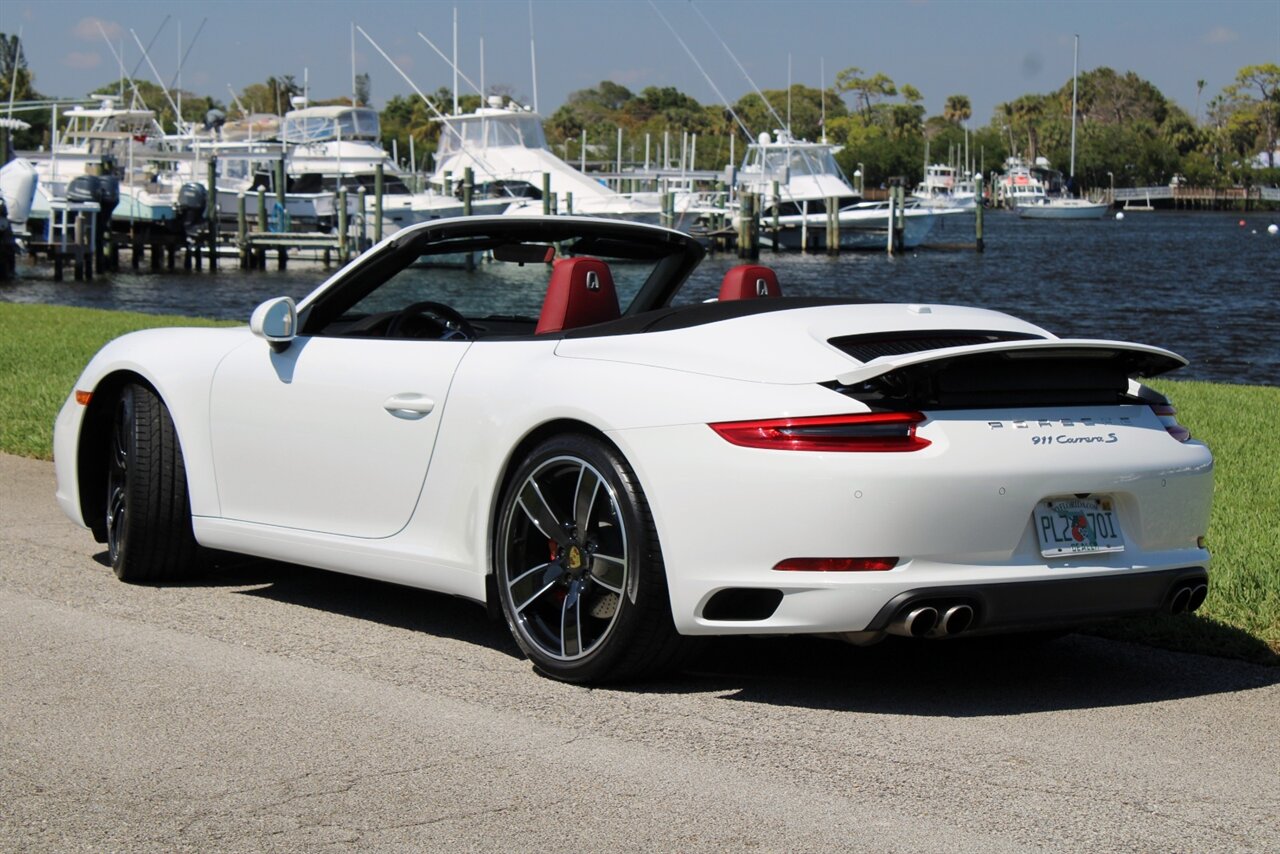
column 1200, row 284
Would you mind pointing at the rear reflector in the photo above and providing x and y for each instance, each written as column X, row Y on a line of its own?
column 1166, row 413
column 83, row 397
column 836, row 564
column 873, row 431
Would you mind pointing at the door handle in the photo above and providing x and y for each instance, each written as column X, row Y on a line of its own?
column 409, row 405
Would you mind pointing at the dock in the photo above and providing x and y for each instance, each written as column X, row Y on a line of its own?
column 1193, row 198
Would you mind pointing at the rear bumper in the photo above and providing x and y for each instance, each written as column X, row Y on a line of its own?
column 1044, row 604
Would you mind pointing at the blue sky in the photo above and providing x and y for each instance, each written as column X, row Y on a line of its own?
column 990, row 51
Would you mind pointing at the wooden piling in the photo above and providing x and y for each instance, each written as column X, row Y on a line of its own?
column 361, row 195
column 344, row 250
column 777, row 215
column 468, row 188
column 833, row 225
column 377, row 204
column 78, row 247
column 568, row 203
column 748, row 226
column 978, row 211
column 242, row 232
column 211, row 213
column 900, row 224
column 889, row 247
column 546, row 193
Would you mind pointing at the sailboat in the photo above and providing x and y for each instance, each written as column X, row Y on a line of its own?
column 1065, row 207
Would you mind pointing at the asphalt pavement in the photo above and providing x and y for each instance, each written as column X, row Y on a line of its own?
column 273, row 707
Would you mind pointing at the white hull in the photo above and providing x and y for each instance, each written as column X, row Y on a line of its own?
column 1063, row 209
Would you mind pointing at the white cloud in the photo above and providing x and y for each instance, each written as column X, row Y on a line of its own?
column 79, row 59
column 87, row 29
column 1221, row 35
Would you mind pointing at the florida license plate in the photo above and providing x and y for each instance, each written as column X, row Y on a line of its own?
column 1070, row 526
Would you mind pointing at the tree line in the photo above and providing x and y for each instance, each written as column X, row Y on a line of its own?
column 1126, row 129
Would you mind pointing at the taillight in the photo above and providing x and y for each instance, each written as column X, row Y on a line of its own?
column 874, row 431
column 1166, row 412
column 836, row 564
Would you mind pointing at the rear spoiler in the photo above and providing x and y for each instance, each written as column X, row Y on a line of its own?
column 1029, row 372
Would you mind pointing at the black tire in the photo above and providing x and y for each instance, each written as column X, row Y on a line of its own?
column 149, row 536
column 578, row 566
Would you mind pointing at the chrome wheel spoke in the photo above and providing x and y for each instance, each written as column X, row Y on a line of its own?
column 609, row 572
column 533, row 583
column 584, row 500
column 571, row 622
column 540, row 513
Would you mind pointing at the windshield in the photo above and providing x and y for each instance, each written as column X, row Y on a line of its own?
column 351, row 124
column 777, row 162
column 491, row 131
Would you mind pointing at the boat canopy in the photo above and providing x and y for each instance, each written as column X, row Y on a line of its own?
column 327, row 124
column 782, row 162
column 491, row 128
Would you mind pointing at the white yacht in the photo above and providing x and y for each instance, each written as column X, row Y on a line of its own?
column 106, row 140
column 332, row 146
column 945, row 187
column 807, row 176
column 1038, row 192
column 1062, row 207
column 1018, row 185
column 506, row 149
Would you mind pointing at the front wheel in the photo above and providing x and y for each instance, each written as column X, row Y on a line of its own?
column 149, row 536
column 579, row 568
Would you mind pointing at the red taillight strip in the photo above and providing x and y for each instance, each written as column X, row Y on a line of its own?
column 872, row 431
column 836, row 564
column 1166, row 412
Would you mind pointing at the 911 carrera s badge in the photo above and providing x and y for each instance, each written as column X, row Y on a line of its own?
column 762, row 288
column 1068, row 526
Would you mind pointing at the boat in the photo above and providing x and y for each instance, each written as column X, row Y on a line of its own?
column 807, row 177
column 944, row 187
column 107, row 140
column 327, row 147
column 504, row 146
column 1062, row 205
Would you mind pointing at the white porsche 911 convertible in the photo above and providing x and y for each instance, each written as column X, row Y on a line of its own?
column 528, row 412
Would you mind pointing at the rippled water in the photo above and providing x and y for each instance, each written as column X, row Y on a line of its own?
column 1197, row 283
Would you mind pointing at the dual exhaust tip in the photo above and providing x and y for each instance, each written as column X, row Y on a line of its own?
column 939, row 621
column 928, row 621
column 1188, row 597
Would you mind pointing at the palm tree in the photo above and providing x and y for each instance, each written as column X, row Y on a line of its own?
column 957, row 109
column 1199, row 89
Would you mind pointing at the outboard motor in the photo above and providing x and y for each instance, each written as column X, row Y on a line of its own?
column 105, row 190
column 193, row 203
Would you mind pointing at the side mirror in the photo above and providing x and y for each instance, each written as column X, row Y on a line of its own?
column 276, row 322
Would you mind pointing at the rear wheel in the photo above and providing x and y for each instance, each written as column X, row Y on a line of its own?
column 579, row 568
column 149, row 536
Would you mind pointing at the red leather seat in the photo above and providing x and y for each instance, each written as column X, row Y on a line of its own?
column 581, row 293
column 749, row 281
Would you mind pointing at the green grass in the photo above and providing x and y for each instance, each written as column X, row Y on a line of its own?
column 1241, row 617
column 44, row 348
